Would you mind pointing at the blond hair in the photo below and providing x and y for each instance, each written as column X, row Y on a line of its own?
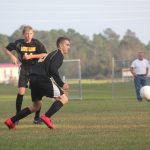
column 26, row 28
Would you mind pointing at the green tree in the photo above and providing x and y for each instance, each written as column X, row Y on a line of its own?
column 130, row 45
column 3, row 43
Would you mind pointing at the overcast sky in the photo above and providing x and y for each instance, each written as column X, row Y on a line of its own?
column 84, row 16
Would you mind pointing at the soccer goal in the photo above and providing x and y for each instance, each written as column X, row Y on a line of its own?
column 122, row 80
column 70, row 72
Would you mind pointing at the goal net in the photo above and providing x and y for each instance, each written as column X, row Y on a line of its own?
column 70, row 72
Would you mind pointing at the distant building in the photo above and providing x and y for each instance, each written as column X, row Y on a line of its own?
column 126, row 74
column 9, row 73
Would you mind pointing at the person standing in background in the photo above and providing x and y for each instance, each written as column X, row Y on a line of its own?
column 29, row 50
column 139, row 69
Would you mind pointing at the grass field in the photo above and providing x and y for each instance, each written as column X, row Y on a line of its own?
column 96, row 123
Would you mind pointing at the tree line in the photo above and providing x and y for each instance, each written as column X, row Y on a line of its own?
column 95, row 54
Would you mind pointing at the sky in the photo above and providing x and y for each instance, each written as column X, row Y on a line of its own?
column 87, row 17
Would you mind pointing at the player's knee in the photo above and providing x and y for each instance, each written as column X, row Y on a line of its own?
column 35, row 107
column 21, row 93
column 21, row 90
column 64, row 100
column 32, row 109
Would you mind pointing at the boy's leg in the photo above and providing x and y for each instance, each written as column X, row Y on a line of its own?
column 19, row 100
column 22, row 114
column 37, row 119
column 22, row 82
column 54, row 108
column 63, row 99
column 10, row 122
column 60, row 97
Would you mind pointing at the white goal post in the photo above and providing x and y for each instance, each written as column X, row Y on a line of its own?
column 70, row 72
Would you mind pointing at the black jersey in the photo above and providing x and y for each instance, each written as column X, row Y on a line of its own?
column 21, row 47
column 49, row 66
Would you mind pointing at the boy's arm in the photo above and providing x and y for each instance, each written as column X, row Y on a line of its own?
column 31, row 56
column 13, row 58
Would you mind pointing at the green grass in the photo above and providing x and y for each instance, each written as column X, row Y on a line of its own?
column 98, row 124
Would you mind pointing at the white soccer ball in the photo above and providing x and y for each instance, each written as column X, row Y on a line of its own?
column 145, row 92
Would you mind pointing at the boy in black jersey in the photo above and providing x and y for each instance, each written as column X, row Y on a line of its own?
column 45, row 81
column 29, row 50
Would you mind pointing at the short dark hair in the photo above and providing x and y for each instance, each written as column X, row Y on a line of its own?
column 61, row 39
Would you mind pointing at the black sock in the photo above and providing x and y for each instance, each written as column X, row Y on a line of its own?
column 37, row 114
column 19, row 100
column 54, row 108
column 22, row 114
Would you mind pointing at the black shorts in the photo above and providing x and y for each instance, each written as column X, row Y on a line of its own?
column 43, row 86
column 24, row 76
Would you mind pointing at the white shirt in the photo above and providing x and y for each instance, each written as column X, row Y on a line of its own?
column 140, row 66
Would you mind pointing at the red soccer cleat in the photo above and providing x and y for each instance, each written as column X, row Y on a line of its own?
column 10, row 124
column 47, row 121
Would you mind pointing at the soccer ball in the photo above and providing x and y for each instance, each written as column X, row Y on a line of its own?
column 145, row 92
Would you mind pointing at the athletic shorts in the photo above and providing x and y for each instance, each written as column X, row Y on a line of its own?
column 24, row 76
column 43, row 86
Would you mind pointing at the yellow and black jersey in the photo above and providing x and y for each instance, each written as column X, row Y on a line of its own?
column 21, row 47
